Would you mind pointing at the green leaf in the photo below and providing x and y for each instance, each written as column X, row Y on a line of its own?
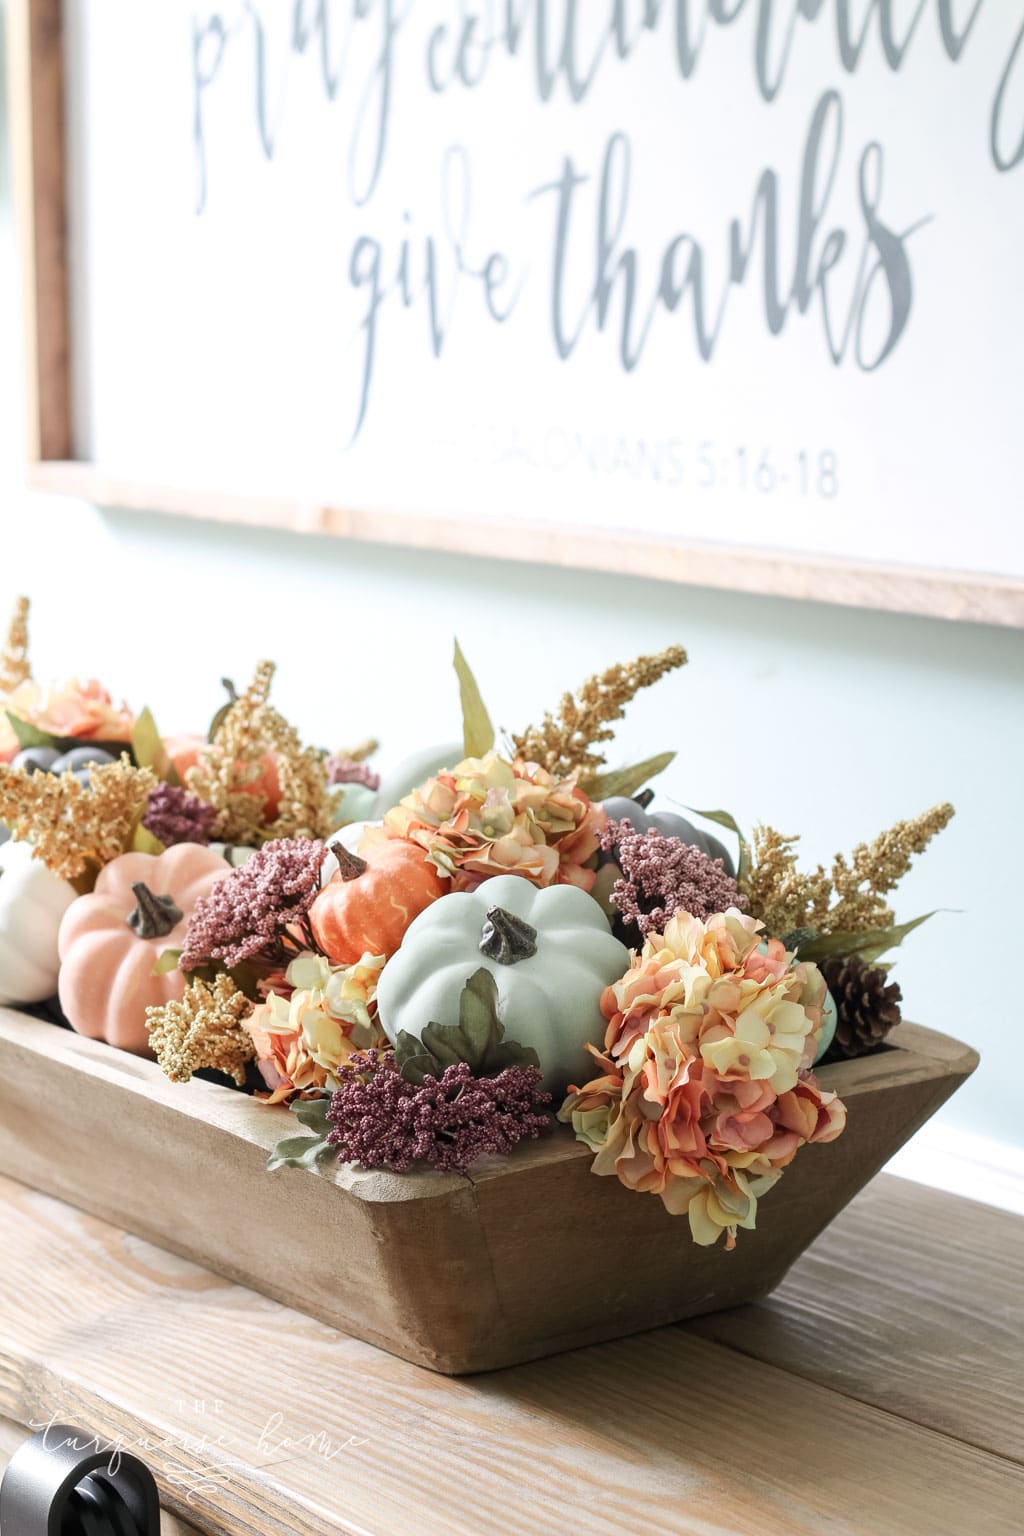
column 149, row 751
column 869, row 945
column 312, row 1113
column 143, row 841
column 29, row 735
column 298, row 1152
column 305, row 1151
column 167, row 962
column 414, row 1063
column 478, row 1038
column 626, row 781
column 725, row 819
column 477, row 730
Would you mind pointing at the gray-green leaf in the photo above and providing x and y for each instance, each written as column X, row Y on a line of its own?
column 478, row 1038
column 298, row 1152
column 869, row 945
column 626, row 781
column 305, row 1151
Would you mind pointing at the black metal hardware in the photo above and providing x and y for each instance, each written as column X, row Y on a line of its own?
column 66, row 1482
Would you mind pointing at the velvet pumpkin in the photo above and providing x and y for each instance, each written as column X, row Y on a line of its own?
column 668, row 823
column 50, row 760
column 368, row 905
column 411, row 772
column 549, row 951
column 110, row 940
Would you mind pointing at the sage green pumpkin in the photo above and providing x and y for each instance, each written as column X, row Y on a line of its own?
column 550, row 952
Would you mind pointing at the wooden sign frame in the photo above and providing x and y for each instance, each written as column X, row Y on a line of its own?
column 37, row 124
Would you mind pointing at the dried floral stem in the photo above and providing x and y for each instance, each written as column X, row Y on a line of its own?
column 233, row 764
column 203, row 1030
column 14, row 663
column 565, row 744
column 361, row 751
column 70, row 826
column 849, row 899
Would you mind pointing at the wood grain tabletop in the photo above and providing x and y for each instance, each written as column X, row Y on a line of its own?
column 879, row 1390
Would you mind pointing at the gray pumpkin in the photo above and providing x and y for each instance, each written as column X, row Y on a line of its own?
column 669, row 823
column 53, row 760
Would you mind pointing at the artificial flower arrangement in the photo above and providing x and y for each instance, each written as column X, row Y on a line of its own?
column 516, row 945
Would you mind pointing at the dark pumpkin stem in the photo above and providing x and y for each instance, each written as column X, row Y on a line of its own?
column 350, row 865
column 507, row 938
column 153, row 916
column 644, row 798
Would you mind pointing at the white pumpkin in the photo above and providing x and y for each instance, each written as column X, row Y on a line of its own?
column 549, row 951
column 413, row 771
column 32, row 903
column 235, row 853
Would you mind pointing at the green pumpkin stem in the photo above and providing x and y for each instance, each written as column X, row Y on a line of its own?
column 644, row 798
column 507, row 938
column 350, row 865
column 154, row 916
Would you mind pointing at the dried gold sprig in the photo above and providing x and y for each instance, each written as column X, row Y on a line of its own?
column 565, row 744
column 73, row 828
column 203, row 1030
column 849, row 899
column 233, row 763
column 877, row 868
column 777, row 892
column 361, row 751
column 14, row 663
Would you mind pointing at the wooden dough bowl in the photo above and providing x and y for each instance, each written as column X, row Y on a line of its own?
column 521, row 1258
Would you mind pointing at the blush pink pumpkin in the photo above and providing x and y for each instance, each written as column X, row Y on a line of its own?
column 111, row 939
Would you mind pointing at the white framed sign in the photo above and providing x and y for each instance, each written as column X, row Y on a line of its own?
column 715, row 290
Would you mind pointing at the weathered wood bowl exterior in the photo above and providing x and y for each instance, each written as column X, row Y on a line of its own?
column 519, row 1259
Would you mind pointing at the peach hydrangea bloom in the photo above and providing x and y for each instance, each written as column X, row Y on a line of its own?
column 80, row 709
column 706, row 1093
column 487, row 816
column 304, row 1039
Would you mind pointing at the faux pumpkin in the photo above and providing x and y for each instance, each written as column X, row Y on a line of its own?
column 111, row 939
column 412, row 771
column 550, row 952
column 350, row 837
column 185, row 751
column 669, row 823
column 366, row 907
column 52, row 760
column 32, row 904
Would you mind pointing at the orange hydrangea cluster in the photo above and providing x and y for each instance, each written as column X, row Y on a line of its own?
column 706, row 1093
column 488, row 816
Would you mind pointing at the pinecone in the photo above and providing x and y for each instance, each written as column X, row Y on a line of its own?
column 867, row 1004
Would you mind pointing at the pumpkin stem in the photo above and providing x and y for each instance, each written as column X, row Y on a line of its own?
column 154, row 916
column 350, row 865
column 507, row 938
column 644, row 798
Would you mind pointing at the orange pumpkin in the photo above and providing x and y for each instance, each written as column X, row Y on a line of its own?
column 367, row 906
column 110, row 940
column 185, row 751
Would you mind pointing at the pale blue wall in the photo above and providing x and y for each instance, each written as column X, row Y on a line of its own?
column 831, row 721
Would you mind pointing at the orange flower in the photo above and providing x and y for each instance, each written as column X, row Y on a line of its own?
column 83, row 710
column 487, row 816
column 303, row 1040
column 707, row 1094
